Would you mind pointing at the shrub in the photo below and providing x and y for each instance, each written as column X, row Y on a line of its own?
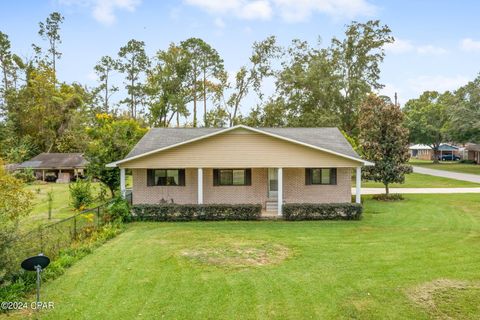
column 189, row 212
column 26, row 175
column 467, row 161
column 322, row 211
column 119, row 210
column 388, row 197
column 81, row 193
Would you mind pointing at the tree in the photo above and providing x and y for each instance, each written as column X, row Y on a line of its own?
column 15, row 202
column 231, row 96
column 205, row 65
column 325, row 86
column 464, row 113
column 50, row 31
column 5, row 62
column 111, row 139
column 133, row 62
column 357, row 61
column 103, row 69
column 383, row 141
column 43, row 111
column 167, row 88
column 427, row 119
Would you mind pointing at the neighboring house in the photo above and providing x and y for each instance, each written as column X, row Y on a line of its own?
column 421, row 152
column 59, row 167
column 473, row 152
column 239, row 165
column 424, row 152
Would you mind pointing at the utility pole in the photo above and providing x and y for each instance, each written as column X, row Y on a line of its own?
column 396, row 99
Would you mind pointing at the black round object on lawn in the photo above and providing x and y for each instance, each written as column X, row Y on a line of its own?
column 32, row 263
column 36, row 263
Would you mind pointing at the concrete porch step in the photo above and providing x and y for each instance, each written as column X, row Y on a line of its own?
column 271, row 206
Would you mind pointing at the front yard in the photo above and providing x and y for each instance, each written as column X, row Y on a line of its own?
column 61, row 204
column 414, row 259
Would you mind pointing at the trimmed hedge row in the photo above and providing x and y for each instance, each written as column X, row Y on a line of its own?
column 322, row 211
column 190, row 212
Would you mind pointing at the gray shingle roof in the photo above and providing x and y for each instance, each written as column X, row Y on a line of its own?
column 55, row 160
column 327, row 138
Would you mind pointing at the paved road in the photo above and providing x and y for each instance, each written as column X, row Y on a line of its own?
column 448, row 174
column 418, row 190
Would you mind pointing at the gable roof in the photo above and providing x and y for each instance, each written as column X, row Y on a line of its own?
column 55, row 160
column 330, row 140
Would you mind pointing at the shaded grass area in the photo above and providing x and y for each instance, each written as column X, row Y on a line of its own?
column 417, row 180
column 61, row 207
column 448, row 166
column 333, row 270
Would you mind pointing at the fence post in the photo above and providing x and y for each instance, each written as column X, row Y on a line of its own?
column 74, row 227
column 40, row 231
column 98, row 217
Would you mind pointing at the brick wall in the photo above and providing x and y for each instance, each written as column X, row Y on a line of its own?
column 295, row 189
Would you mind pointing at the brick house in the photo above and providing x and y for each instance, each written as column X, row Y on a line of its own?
column 239, row 165
column 58, row 167
column 473, row 152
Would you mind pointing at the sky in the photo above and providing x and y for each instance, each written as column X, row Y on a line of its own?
column 437, row 43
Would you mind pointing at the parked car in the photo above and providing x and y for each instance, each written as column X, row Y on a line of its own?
column 448, row 157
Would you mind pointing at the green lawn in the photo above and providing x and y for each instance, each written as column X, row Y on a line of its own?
column 417, row 180
column 448, row 166
column 61, row 203
column 375, row 268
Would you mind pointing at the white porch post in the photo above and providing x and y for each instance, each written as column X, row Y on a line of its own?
column 122, row 182
column 280, row 191
column 200, row 186
column 358, row 193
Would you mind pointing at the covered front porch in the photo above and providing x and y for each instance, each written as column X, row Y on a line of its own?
column 269, row 186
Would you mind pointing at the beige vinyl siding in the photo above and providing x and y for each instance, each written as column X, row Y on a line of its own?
column 240, row 148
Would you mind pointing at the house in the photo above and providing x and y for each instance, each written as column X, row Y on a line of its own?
column 424, row 152
column 473, row 152
column 240, row 165
column 421, row 152
column 58, row 167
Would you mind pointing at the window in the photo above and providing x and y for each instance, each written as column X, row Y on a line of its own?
column 321, row 176
column 165, row 177
column 232, row 177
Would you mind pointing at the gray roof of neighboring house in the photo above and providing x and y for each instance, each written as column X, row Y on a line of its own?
column 472, row 147
column 327, row 138
column 55, row 160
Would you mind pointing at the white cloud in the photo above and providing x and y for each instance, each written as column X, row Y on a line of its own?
column 301, row 10
column 289, row 10
column 256, row 10
column 437, row 83
column 401, row 46
column 470, row 45
column 104, row 10
column 431, row 50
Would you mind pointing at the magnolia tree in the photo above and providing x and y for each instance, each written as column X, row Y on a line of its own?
column 383, row 141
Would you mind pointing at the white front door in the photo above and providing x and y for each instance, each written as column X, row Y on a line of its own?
column 272, row 183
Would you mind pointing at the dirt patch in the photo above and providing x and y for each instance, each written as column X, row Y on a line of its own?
column 239, row 254
column 425, row 295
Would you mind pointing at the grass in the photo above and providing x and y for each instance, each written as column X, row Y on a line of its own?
column 448, row 166
column 417, row 180
column 323, row 270
column 61, row 207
